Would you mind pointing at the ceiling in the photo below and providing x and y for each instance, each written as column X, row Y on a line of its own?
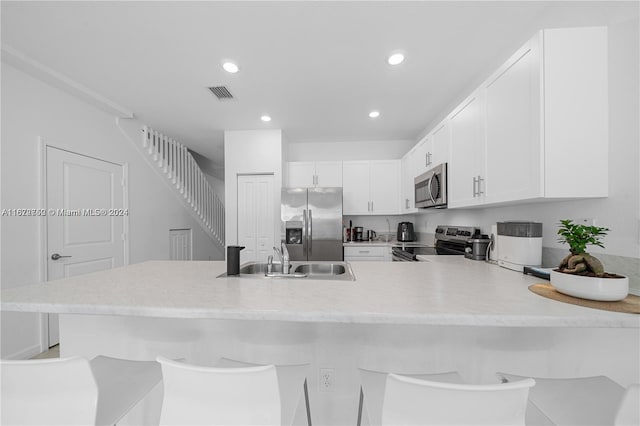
column 317, row 68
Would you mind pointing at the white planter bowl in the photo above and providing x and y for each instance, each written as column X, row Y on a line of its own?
column 593, row 288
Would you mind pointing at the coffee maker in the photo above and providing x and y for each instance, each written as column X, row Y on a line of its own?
column 405, row 232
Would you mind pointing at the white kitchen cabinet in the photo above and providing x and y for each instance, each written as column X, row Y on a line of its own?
column 407, row 193
column 466, row 168
column 412, row 164
column 513, row 147
column 422, row 155
column 355, row 188
column 547, row 119
column 537, row 126
column 367, row 254
column 440, row 142
column 314, row 174
column 371, row 187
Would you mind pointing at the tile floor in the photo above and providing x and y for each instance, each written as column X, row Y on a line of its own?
column 53, row 352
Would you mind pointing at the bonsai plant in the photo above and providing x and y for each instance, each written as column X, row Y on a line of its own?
column 582, row 275
column 578, row 261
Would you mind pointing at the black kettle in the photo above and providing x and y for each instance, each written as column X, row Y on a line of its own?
column 233, row 260
column 405, row 232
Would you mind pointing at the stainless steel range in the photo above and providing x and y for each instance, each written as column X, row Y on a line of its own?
column 449, row 240
column 453, row 239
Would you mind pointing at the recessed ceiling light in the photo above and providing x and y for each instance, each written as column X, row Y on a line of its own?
column 374, row 114
column 395, row 59
column 265, row 118
column 230, row 67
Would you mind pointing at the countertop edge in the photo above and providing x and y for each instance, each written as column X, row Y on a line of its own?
column 616, row 320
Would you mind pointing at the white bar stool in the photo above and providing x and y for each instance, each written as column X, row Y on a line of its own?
column 232, row 393
column 74, row 390
column 410, row 401
column 628, row 413
column 290, row 378
column 577, row 401
column 372, row 390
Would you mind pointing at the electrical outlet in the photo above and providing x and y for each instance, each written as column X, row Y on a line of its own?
column 326, row 382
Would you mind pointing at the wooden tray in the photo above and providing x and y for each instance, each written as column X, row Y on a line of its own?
column 628, row 305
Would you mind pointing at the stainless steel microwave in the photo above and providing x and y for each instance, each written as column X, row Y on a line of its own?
column 431, row 188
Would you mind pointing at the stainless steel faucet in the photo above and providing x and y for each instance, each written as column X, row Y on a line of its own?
column 269, row 264
column 284, row 257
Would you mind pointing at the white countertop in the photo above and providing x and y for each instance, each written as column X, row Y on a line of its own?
column 384, row 244
column 443, row 290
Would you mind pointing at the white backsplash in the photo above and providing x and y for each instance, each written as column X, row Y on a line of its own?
column 379, row 223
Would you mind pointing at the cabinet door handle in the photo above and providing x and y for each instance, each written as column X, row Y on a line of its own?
column 406, row 203
column 480, row 180
column 475, row 181
column 372, row 206
column 363, row 251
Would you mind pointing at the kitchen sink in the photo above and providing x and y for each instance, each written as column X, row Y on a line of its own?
column 259, row 268
column 313, row 269
column 335, row 271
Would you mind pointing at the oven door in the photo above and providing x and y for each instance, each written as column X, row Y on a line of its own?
column 431, row 188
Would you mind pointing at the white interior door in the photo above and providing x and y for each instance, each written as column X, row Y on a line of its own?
column 255, row 217
column 86, row 217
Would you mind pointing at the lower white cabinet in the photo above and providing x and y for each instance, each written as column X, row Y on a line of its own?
column 367, row 254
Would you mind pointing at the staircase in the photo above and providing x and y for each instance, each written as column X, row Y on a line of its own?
column 178, row 165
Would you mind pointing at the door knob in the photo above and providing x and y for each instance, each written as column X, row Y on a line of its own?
column 56, row 256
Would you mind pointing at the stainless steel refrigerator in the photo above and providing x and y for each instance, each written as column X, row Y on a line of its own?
column 312, row 223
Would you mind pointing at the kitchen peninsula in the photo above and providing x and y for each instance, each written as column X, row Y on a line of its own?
column 443, row 314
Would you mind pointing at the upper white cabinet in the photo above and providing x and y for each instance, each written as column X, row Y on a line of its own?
column 514, row 146
column 440, row 143
column 371, row 187
column 408, row 171
column 318, row 173
column 466, row 168
column 536, row 124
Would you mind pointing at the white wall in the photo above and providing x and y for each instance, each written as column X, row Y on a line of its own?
column 620, row 211
column 347, row 151
column 33, row 109
column 250, row 152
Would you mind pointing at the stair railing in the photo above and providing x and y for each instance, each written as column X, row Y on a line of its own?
column 182, row 170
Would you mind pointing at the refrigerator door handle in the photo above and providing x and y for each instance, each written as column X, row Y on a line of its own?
column 310, row 233
column 304, row 233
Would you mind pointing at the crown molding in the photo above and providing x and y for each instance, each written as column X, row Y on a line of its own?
column 42, row 72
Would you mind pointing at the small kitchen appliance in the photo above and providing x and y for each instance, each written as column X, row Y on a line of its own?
column 358, row 233
column 476, row 247
column 520, row 244
column 233, row 260
column 405, row 232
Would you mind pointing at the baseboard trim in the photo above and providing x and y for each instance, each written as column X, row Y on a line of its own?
column 26, row 353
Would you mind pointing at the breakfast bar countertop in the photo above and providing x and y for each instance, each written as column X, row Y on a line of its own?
column 442, row 290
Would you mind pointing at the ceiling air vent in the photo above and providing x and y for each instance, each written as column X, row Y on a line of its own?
column 221, row 92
